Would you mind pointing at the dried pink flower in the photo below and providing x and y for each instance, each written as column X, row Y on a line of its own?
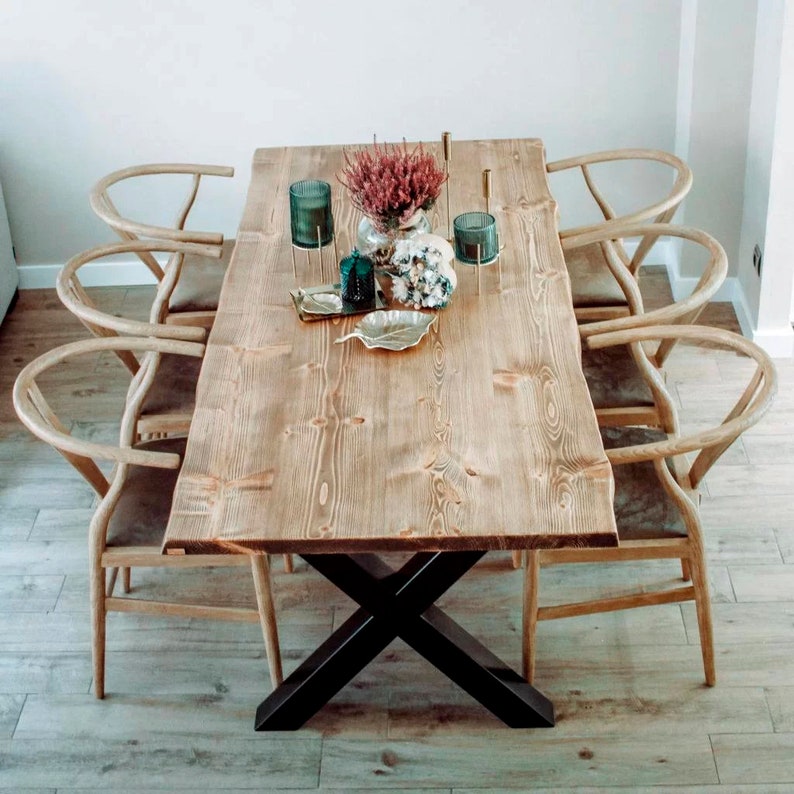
column 389, row 184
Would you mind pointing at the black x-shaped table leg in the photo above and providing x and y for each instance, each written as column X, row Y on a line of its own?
column 400, row 604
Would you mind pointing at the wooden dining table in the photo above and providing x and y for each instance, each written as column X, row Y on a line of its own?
column 482, row 437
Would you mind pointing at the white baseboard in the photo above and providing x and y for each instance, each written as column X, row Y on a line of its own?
column 106, row 273
column 777, row 342
column 668, row 253
column 683, row 286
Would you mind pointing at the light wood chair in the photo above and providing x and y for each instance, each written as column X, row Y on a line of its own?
column 135, row 499
column 656, row 496
column 596, row 296
column 194, row 299
column 626, row 382
column 170, row 399
column 167, row 407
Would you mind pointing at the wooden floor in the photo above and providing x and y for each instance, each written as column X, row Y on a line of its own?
column 633, row 713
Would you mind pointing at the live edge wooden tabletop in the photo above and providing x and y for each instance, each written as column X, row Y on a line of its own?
column 481, row 437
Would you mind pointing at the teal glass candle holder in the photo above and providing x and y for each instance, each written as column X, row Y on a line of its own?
column 357, row 276
column 476, row 231
column 311, row 221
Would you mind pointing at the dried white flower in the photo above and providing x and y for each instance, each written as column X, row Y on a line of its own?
column 424, row 275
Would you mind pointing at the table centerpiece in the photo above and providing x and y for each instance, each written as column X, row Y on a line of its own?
column 393, row 187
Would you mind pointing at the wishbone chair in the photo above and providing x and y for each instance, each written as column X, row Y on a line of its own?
column 596, row 296
column 129, row 524
column 656, row 495
column 168, row 405
column 626, row 382
column 194, row 299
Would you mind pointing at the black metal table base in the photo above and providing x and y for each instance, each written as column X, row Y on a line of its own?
column 400, row 604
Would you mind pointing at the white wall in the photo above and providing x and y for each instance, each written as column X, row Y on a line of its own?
column 769, row 186
column 718, row 40
column 761, row 141
column 89, row 86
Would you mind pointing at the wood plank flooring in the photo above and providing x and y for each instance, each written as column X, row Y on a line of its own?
column 633, row 713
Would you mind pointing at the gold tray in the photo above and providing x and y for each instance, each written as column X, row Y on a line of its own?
column 391, row 330
column 345, row 310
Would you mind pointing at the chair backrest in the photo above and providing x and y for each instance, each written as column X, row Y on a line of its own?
column 35, row 413
column 660, row 211
column 752, row 403
column 73, row 294
column 682, row 311
column 129, row 229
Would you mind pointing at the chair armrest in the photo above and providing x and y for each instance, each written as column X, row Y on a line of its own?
column 687, row 308
column 660, row 211
column 74, row 297
column 36, row 415
column 751, row 406
column 104, row 208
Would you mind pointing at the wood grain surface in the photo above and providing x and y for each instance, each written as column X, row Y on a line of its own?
column 482, row 436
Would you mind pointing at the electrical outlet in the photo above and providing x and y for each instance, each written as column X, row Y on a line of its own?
column 757, row 259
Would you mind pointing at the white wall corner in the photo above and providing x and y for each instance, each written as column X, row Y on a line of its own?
column 777, row 342
column 117, row 273
column 765, row 305
column 686, row 71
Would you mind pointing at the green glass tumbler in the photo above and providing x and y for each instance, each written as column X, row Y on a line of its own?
column 311, row 221
column 475, row 231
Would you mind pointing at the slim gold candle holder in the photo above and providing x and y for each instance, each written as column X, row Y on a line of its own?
column 320, row 253
column 479, row 257
column 499, row 263
column 487, row 192
column 308, row 251
column 446, row 140
column 486, row 189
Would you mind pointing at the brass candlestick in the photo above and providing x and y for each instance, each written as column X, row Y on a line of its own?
column 486, row 192
column 446, row 140
column 486, row 189
column 320, row 253
column 479, row 257
column 308, row 252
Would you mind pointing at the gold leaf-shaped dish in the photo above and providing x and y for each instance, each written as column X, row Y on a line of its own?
column 322, row 303
column 391, row 330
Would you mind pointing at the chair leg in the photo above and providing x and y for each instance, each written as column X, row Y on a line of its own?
column 685, row 574
column 98, row 615
column 516, row 555
column 697, row 568
column 288, row 566
column 260, row 568
column 125, row 580
column 114, row 572
column 530, row 620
